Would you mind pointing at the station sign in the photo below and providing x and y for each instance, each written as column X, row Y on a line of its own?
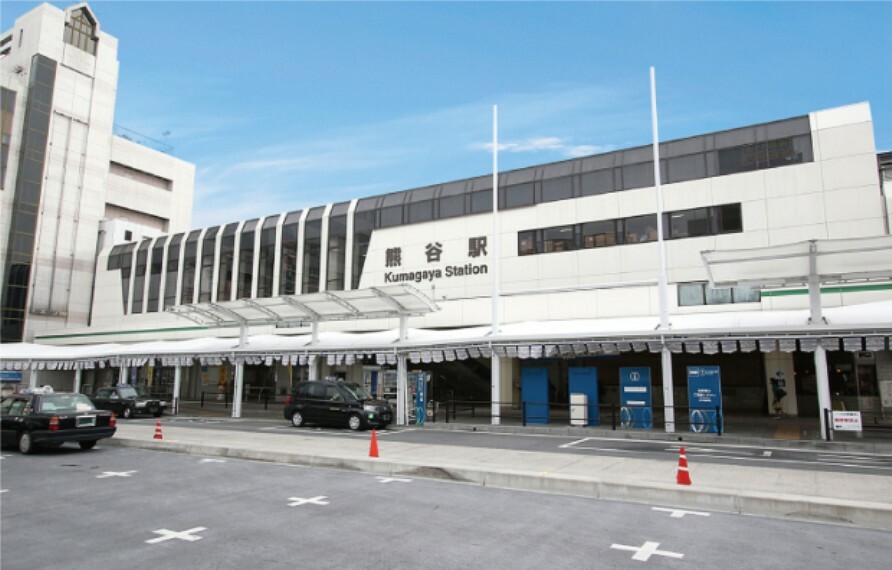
column 636, row 398
column 704, row 398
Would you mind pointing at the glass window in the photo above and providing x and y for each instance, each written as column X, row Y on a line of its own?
column 691, row 167
column 598, row 182
column 689, row 223
column 557, row 189
column 337, row 253
column 126, row 268
column 140, row 278
column 516, row 196
column 363, row 225
column 226, row 263
column 206, row 277
column 288, row 263
column 391, row 216
column 746, row 294
column 80, row 31
column 690, row 294
column 421, row 211
column 267, row 257
column 451, row 206
column 173, row 270
column 728, row 219
column 190, row 264
column 312, row 256
column 640, row 229
column 638, row 175
column 155, row 275
column 526, row 242
column 721, row 296
column 599, row 234
column 246, row 260
column 561, row 238
column 481, row 201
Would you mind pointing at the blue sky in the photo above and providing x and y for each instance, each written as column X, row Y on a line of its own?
column 287, row 105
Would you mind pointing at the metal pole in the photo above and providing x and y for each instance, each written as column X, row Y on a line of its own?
column 177, row 383
column 823, row 381
column 495, row 367
column 78, row 374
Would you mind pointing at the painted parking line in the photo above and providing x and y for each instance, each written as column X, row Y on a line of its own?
column 297, row 501
column 679, row 513
column 393, row 480
column 107, row 474
column 645, row 551
column 210, row 460
column 186, row 535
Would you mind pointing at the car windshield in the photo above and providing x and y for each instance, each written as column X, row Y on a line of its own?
column 358, row 392
column 66, row 403
column 143, row 391
column 128, row 392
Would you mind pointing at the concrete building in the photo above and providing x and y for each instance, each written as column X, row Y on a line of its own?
column 70, row 186
column 778, row 264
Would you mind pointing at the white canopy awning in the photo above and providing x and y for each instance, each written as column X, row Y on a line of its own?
column 851, row 328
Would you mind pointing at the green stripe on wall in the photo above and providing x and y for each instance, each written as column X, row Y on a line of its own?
column 837, row 289
column 116, row 333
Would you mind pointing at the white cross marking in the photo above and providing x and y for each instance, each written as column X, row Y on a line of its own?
column 171, row 534
column 393, row 480
column 314, row 501
column 678, row 513
column 645, row 551
column 106, row 474
column 3, row 490
column 208, row 460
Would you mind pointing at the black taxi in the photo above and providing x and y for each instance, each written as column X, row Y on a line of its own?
column 128, row 401
column 338, row 404
column 41, row 417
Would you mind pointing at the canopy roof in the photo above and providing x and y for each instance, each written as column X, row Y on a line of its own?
column 829, row 260
column 854, row 327
column 376, row 302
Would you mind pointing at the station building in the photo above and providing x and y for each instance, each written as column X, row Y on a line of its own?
column 776, row 247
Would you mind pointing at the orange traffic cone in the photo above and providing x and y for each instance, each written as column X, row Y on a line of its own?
column 683, row 477
column 158, row 430
column 373, row 448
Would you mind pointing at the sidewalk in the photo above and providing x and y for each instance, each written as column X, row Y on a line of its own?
column 844, row 498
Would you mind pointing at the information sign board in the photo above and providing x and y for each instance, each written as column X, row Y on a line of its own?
column 704, row 398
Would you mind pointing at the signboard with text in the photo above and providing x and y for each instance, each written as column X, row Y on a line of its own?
column 704, row 398
column 846, row 421
column 10, row 376
column 635, row 398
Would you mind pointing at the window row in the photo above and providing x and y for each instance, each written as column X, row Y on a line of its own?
column 700, row 293
column 711, row 220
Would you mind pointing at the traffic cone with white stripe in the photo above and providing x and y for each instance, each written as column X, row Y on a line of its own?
column 683, row 477
column 158, row 430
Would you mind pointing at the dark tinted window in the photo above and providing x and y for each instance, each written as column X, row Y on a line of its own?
column 516, row 195
column 689, row 223
column 526, row 242
column 451, row 206
column 599, row 234
column 561, row 238
column 557, row 189
column 640, row 229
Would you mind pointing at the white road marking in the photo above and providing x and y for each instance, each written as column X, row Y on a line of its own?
column 209, row 460
column 275, row 428
column 678, row 513
column 393, row 480
column 645, row 551
column 171, row 534
column 829, row 457
column 4, row 456
column 314, row 501
column 107, row 474
column 766, row 454
column 572, row 443
column 3, row 490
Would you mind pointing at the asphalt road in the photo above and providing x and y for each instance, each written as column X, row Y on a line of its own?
column 756, row 456
column 117, row 507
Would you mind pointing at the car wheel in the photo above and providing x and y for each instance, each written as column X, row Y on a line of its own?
column 297, row 419
column 127, row 413
column 87, row 444
column 26, row 444
column 354, row 422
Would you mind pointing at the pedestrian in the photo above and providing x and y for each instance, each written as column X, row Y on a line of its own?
column 778, row 389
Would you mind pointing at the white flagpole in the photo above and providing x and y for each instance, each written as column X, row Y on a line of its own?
column 495, row 366
column 666, row 359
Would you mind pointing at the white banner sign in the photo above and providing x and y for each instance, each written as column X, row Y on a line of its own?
column 846, row 421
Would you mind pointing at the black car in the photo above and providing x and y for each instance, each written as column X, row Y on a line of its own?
column 127, row 401
column 43, row 418
column 337, row 404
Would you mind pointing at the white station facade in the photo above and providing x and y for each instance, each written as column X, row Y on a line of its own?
column 778, row 263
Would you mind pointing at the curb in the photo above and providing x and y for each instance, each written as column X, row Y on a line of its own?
column 803, row 508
